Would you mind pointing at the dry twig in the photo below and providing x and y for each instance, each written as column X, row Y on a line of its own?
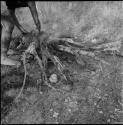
column 24, row 81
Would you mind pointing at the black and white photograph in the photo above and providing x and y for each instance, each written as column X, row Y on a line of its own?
column 61, row 62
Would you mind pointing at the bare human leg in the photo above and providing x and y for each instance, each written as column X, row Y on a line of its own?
column 15, row 21
column 33, row 10
column 6, row 33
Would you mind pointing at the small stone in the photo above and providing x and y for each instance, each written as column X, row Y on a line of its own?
column 100, row 112
column 41, row 92
column 55, row 114
column 66, row 100
column 53, row 78
column 108, row 120
column 51, row 110
column 94, row 41
column 95, row 103
column 69, row 110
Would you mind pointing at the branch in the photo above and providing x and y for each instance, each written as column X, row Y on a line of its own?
column 24, row 81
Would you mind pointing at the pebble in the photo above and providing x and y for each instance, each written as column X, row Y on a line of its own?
column 101, row 112
column 55, row 114
column 53, row 78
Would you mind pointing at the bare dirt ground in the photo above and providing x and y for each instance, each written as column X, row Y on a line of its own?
column 97, row 92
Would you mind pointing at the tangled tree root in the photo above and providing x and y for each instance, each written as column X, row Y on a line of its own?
column 44, row 48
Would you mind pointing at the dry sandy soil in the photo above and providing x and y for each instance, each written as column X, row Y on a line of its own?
column 97, row 92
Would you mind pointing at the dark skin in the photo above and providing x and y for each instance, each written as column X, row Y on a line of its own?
column 8, row 23
column 34, row 13
column 33, row 10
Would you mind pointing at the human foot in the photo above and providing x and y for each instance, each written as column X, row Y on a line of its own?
column 9, row 61
column 12, row 52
